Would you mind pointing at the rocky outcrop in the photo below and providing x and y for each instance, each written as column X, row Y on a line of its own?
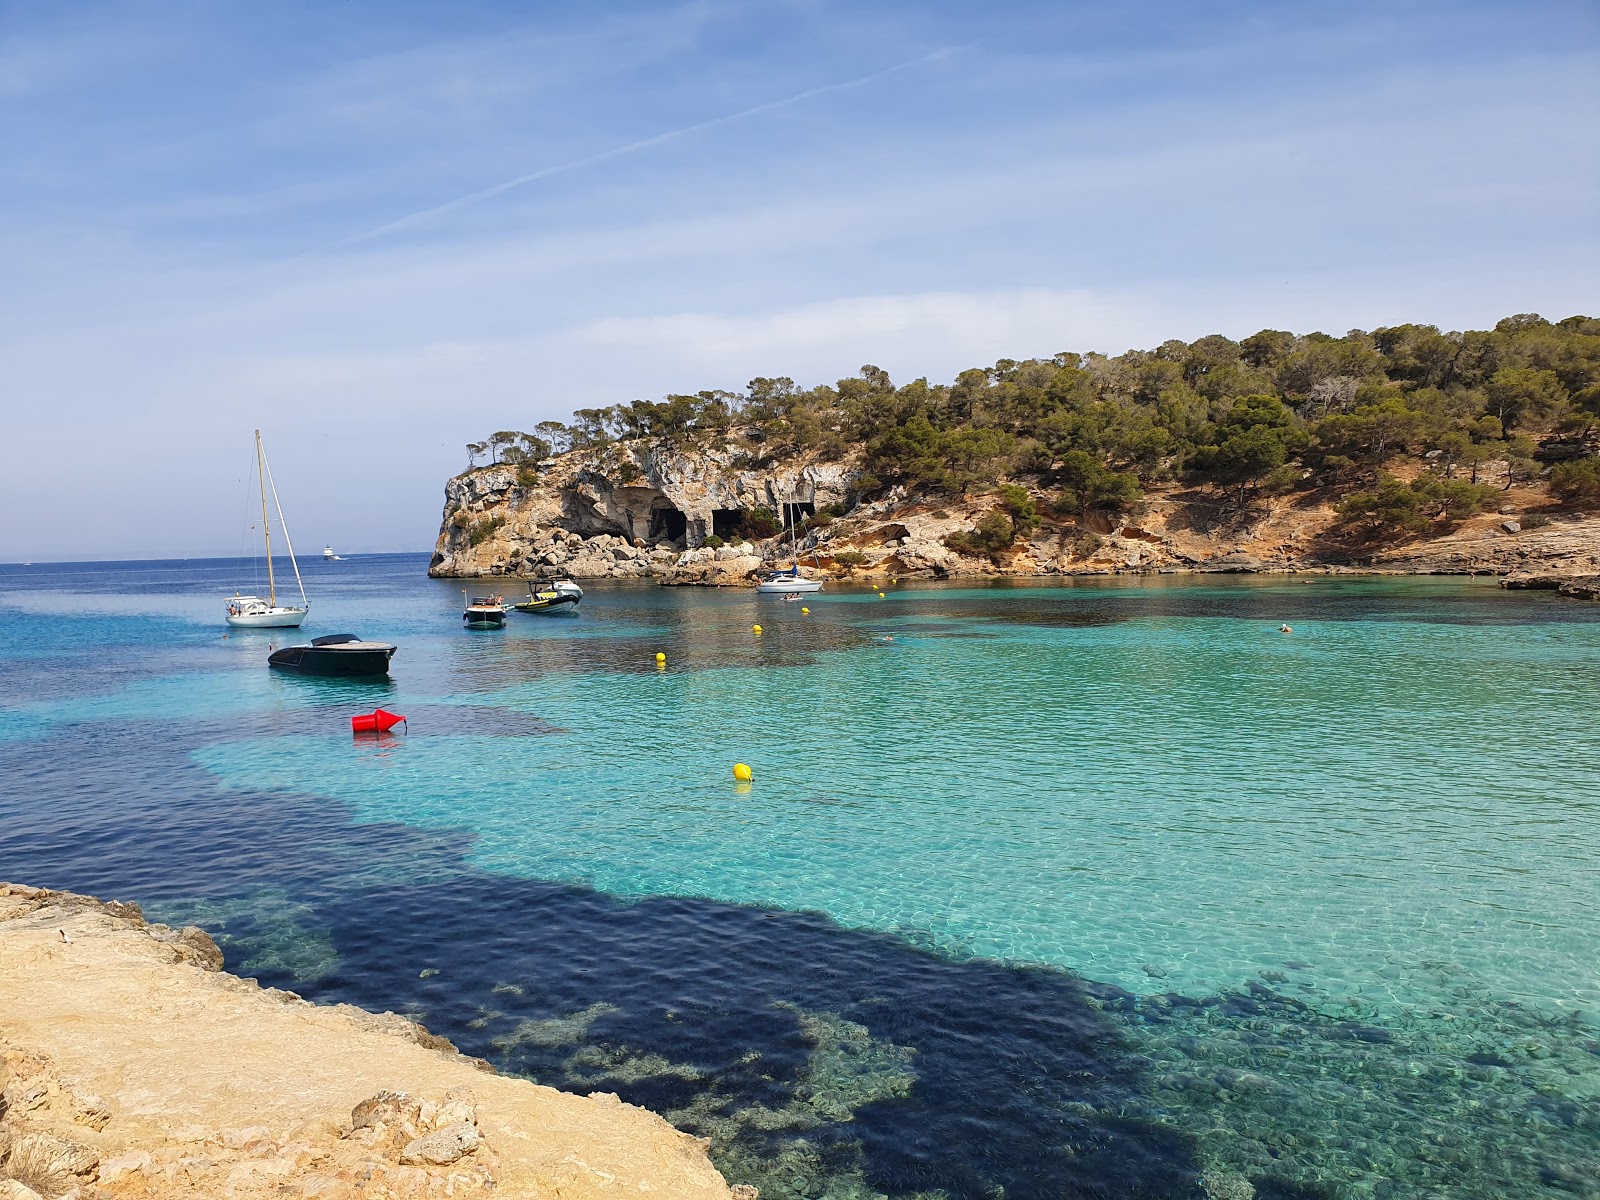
column 1578, row 586
column 132, row 1066
column 624, row 511
column 634, row 511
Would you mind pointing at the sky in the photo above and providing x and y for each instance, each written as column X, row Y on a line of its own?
column 380, row 230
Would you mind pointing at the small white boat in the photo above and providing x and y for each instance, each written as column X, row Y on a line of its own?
column 329, row 556
column 485, row 612
column 787, row 583
column 252, row 612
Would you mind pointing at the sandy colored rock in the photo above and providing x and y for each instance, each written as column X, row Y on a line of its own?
column 443, row 1146
column 131, row 1069
column 596, row 514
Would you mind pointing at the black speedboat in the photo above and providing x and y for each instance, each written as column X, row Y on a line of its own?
column 336, row 654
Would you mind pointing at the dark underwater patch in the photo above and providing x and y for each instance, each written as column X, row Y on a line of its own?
column 752, row 1027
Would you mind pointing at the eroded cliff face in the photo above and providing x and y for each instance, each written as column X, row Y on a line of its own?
column 624, row 511
column 636, row 511
column 132, row 1066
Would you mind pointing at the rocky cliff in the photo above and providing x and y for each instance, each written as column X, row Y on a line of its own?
column 132, row 1066
column 639, row 510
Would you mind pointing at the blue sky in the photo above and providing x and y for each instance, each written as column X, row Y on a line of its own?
column 381, row 230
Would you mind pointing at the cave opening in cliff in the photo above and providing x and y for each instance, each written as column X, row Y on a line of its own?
column 727, row 522
column 796, row 511
column 667, row 524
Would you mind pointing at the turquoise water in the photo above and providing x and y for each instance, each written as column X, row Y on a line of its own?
column 1166, row 802
column 1379, row 826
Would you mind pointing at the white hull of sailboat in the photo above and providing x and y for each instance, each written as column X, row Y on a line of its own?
column 788, row 586
column 272, row 618
column 254, row 612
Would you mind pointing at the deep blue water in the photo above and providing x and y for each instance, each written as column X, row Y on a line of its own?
column 1039, row 891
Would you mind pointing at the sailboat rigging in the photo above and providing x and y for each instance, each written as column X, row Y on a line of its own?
column 791, row 582
column 252, row 612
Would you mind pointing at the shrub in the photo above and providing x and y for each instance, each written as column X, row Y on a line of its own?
column 819, row 520
column 762, row 522
column 714, row 542
column 1576, row 481
column 527, row 477
column 850, row 558
column 994, row 533
column 1020, row 508
column 1395, row 507
column 835, row 510
column 1535, row 521
column 481, row 531
column 1090, row 486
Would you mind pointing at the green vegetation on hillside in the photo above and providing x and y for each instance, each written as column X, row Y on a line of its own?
column 1273, row 413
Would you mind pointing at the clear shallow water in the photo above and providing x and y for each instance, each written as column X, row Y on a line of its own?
column 1106, row 883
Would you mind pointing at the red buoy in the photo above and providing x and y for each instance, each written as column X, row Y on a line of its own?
column 379, row 721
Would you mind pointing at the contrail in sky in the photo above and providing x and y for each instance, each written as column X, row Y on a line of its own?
column 577, row 164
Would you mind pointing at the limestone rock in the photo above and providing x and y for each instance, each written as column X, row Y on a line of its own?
column 385, row 1109
column 1582, row 589
column 443, row 1146
column 121, row 1166
column 454, row 1112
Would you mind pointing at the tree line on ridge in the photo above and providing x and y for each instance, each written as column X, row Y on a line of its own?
column 1273, row 413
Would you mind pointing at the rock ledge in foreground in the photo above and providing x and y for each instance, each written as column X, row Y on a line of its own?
column 131, row 1065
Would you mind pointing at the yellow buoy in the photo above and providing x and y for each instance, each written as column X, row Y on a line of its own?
column 803, row 609
column 880, row 596
column 742, row 773
column 660, row 657
column 755, row 629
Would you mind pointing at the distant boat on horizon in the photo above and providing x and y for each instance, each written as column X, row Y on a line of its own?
column 252, row 612
column 329, row 556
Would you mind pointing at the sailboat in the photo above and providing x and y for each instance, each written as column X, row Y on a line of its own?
column 252, row 612
column 788, row 583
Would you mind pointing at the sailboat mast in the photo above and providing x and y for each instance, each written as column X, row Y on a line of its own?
column 284, row 525
column 266, row 529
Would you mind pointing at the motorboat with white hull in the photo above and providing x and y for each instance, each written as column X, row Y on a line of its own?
column 551, row 596
column 254, row 612
column 485, row 612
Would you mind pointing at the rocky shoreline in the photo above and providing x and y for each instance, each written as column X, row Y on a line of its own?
column 645, row 511
column 131, row 1065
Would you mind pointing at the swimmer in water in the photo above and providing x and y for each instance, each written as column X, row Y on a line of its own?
column 1284, row 629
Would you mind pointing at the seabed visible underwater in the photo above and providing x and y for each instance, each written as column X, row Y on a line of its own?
column 1102, row 890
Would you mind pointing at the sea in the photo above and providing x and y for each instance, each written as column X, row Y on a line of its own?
column 1090, row 888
